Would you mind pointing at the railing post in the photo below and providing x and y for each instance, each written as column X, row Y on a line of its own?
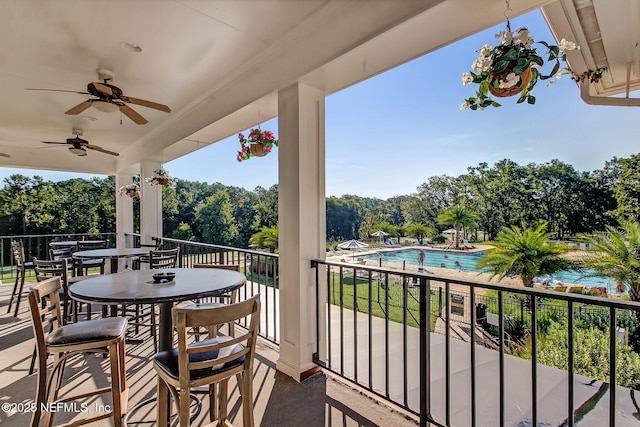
column 424, row 304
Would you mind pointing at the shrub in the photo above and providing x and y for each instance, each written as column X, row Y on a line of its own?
column 591, row 354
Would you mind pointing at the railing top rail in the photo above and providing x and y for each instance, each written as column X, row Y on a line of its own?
column 213, row 246
column 31, row 236
column 542, row 293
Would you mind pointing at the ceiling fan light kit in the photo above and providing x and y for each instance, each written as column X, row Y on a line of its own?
column 104, row 106
column 78, row 151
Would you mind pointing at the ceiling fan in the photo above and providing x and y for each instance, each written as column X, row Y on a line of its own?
column 110, row 98
column 5, row 155
column 79, row 146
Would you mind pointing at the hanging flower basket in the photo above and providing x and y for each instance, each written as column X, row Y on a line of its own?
column 160, row 177
column 512, row 67
column 132, row 190
column 258, row 144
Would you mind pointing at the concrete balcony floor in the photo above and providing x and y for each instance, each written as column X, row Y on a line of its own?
column 320, row 400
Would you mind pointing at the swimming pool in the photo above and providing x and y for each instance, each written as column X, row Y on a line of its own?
column 467, row 261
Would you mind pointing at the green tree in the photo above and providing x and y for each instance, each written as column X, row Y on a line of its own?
column 419, row 231
column 616, row 253
column 265, row 208
column 627, row 190
column 184, row 232
column 525, row 252
column 28, row 203
column 343, row 218
column 368, row 225
column 216, row 221
column 458, row 216
column 267, row 237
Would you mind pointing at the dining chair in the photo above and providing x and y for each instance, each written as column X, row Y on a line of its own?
column 220, row 300
column 144, row 259
column 164, row 258
column 105, row 335
column 17, row 248
column 209, row 362
column 56, row 254
column 83, row 265
column 46, row 269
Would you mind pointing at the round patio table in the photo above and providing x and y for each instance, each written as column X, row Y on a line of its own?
column 113, row 254
column 138, row 287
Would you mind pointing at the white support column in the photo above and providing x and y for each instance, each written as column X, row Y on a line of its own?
column 150, row 205
column 124, row 212
column 302, row 221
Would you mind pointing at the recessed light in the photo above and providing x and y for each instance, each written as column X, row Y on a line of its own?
column 131, row 47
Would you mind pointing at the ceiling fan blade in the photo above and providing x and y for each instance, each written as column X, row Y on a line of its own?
column 5, row 155
column 102, row 88
column 57, row 143
column 129, row 112
column 79, row 108
column 59, row 90
column 102, row 150
column 149, row 104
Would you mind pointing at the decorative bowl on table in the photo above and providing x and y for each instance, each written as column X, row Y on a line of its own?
column 163, row 277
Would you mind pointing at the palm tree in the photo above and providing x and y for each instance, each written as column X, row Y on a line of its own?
column 458, row 216
column 525, row 252
column 419, row 231
column 616, row 253
column 267, row 237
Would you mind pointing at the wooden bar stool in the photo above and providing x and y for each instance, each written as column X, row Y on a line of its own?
column 21, row 268
column 106, row 335
column 209, row 362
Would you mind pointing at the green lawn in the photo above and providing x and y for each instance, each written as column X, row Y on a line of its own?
column 382, row 300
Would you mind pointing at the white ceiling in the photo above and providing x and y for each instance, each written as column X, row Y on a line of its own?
column 218, row 64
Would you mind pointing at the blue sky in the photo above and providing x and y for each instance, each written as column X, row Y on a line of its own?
column 389, row 134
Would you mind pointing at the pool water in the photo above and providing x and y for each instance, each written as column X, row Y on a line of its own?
column 467, row 261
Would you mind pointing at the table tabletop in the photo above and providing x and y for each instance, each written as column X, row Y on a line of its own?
column 137, row 286
column 71, row 243
column 111, row 253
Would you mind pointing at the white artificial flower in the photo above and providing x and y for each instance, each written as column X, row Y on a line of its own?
column 522, row 37
column 566, row 45
column 482, row 64
column 555, row 78
column 511, row 80
column 485, row 49
column 465, row 105
column 466, row 79
column 505, row 37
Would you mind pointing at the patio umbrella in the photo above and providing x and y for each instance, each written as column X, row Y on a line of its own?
column 381, row 234
column 353, row 245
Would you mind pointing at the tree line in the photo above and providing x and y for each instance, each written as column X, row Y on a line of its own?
column 502, row 195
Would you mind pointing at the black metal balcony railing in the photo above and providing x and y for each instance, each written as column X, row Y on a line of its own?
column 37, row 245
column 376, row 329
column 261, row 269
